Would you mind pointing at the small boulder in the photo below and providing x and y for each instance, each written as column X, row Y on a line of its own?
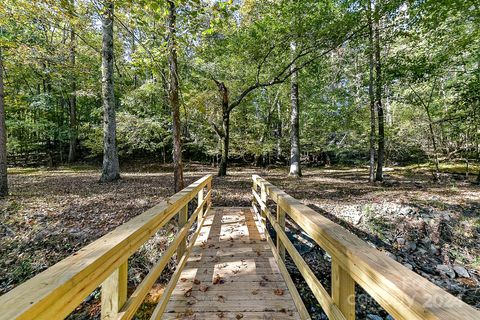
column 445, row 270
column 461, row 271
column 401, row 241
column 373, row 317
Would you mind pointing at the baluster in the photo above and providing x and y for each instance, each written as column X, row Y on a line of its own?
column 200, row 200
column 182, row 219
column 343, row 290
column 281, row 222
column 114, row 292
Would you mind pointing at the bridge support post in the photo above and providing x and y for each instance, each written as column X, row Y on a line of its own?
column 281, row 222
column 263, row 197
column 200, row 214
column 114, row 292
column 343, row 291
column 182, row 220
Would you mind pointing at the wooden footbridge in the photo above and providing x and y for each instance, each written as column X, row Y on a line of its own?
column 229, row 267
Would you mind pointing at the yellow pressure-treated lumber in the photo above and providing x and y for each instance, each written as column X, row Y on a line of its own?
column 135, row 300
column 182, row 219
column 114, row 292
column 160, row 308
column 343, row 291
column 318, row 290
column 401, row 292
column 302, row 310
column 57, row 291
column 281, row 223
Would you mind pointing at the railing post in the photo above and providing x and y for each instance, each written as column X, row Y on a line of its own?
column 114, row 292
column 200, row 214
column 263, row 197
column 343, row 291
column 281, row 222
column 182, row 219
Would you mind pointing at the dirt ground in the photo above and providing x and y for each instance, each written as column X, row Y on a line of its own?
column 432, row 228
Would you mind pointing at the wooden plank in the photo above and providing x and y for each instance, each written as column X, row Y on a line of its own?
column 114, row 292
column 231, row 315
column 200, row 202
column 343, row 291
column 57, row 291
column 401, row 292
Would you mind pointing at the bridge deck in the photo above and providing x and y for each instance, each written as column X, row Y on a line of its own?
column 231, row 273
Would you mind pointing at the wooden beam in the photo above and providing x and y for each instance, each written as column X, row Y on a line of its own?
column 281, row 223
column 343, row 291
column 182, row 219
column 114, row 292
column 200, row 205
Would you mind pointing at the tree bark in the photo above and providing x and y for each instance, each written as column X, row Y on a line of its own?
column 378, row 100
column 72, row 152
column 225, row 133
column 111, row 169
column 174, row 99
column 295, row 169
column 371, row 93
column 3, row 136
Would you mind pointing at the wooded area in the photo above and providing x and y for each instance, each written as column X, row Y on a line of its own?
column 368, row 111
column 264, row 82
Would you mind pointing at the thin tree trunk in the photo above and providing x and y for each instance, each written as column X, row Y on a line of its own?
column 378, row 100
column 3, row 136
column 279, row 131
column 295, row 169
column 222, row 168
column 72, row 152
column 111, row 169
column 371, row 94
column 174, row 98
column 224, row 135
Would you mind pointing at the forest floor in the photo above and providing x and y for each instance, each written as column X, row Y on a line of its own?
column 432, row 228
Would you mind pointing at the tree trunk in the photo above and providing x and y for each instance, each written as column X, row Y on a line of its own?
column 110, row 171
column 378, row 100
column 222, row 168
column 173, row 95
column 371, row 94
column 295, row 169
column 279, row 131
column 72, row 152
column 3, row 136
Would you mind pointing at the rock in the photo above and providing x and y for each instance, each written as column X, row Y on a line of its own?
column 401, row 241
column 373, row 317
column 411, row 246
column 405, row 211
column 461, row 271
column 357, row 219
column 433, row 249
column 445, row 270
column 389, row 317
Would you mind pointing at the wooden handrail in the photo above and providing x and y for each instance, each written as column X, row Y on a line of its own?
column 57, row 291
column 400, row 291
